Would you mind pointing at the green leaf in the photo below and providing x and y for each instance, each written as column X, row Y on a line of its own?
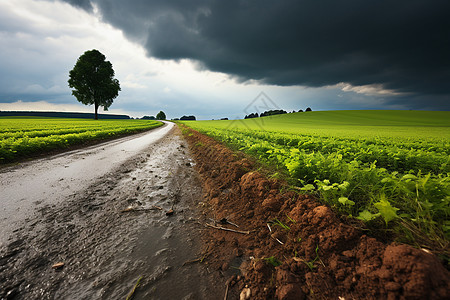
column 327, row 187
column 343, row 186
column 386, row 179
column 387, row 211
column 409, row 176
column 367, row 216
column 308, row 187
column 426, row 205
column 346, row 201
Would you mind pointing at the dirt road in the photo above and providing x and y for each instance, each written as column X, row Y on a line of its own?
column 102, row 211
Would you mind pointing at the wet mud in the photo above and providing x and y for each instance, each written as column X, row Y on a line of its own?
column 292, row 247
column 140, row 221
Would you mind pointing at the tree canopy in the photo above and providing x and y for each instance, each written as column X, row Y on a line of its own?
column 188, row 118
column 161, row 116
column 92, row 80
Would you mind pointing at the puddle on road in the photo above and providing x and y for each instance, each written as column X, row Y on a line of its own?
column 106, row 250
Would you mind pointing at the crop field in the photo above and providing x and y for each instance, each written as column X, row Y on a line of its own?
column 22, row 137
column 389, row 169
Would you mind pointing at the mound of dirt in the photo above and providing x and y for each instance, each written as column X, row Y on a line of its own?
column 297, row 248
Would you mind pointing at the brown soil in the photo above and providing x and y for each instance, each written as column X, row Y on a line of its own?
column 321, row 256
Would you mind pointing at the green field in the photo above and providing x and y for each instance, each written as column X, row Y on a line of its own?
column 388, row 168
column 385, row 124
column 22, row 137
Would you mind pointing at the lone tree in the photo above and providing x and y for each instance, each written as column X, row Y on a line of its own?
column 161, row 116
column 92, row 80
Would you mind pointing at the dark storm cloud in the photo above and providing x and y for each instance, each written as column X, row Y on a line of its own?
column 85, row 4
column 403, row 45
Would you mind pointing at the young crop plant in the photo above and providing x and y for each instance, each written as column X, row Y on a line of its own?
column 278, row 223
column 312, row 263
column 290, row 219
column 273, row 261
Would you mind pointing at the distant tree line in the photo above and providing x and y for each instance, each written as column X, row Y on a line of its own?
column 54, row 114
column 162, row 116
column 252, row 115
column 271, row 113
column 187, row 118
column 159, row 116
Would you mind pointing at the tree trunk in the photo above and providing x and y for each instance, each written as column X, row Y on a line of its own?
column 96, row 108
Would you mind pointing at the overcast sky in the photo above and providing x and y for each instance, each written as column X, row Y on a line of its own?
column 214, row 58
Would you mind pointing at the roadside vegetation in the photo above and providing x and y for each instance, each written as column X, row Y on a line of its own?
column 22, row 137
column 389, row 169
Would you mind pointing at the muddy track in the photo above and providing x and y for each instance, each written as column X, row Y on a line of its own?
column 114, row 233
column 295, row 247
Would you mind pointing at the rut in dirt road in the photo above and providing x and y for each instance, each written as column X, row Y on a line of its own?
column 113, row 233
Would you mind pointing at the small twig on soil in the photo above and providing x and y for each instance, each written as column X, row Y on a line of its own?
column 270, row 229
column 130, row 295
column 228, row 229
column 228, row 284
column 192, row 261
column 128, row 209
column 277, row 240
column 226, row 290
column 225, row 221
column 200, row 259
column 58, row 265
